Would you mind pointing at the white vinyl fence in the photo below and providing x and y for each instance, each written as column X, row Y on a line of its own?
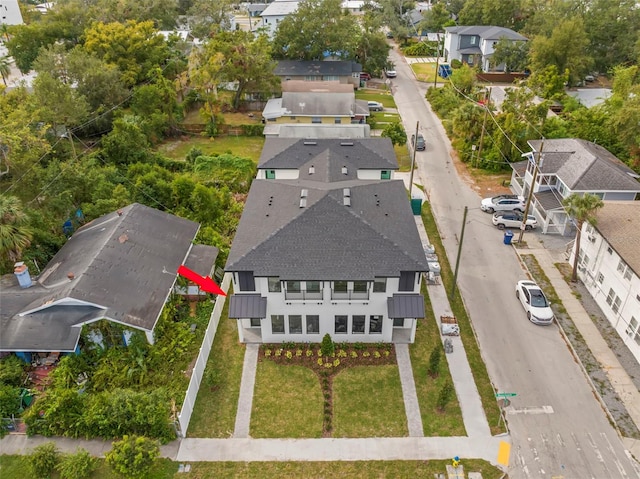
column 196, row 377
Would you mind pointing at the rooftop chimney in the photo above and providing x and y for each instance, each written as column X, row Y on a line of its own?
column 22, row 273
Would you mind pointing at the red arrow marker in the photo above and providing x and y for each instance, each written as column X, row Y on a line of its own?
column 205, row 283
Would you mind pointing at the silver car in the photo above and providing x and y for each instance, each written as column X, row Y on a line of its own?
column 513, row 220
column 503, row 203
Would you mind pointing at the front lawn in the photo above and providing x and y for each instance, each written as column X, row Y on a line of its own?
column 368, row 402
column 242, row 146
column 287, row 402
column 425, row 72
column 376, row 95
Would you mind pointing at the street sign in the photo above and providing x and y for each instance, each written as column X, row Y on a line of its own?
column 505, row 395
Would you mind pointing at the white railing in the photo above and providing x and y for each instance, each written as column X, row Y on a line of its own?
column 203, row 356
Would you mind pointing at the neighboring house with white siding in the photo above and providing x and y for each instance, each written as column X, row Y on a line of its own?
column 10, row 13
column 567, row 166
column 327, row 243
column 609, row 267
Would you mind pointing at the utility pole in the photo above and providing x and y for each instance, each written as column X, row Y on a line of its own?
column 435, row 77
column 455, row 274
column 523, row 226
column 413, row 158
column 484, row 122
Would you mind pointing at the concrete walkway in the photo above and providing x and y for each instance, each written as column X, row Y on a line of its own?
column 247, row 384
column 618, row 377
column 411, row 406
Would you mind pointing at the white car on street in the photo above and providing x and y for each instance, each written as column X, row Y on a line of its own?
column 503, row 203
column 534, row 302
column 513, row 220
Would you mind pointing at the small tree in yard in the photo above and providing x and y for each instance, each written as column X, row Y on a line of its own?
column 327, row 347
column 79, row 465
column 395, row 132
column 133, row 456
column 446, row 393
column 43, row 460
column 434, row 362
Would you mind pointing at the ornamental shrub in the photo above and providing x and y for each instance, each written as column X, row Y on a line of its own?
column 446, row 393
column 43, row 460
column 434, row 362
column 79, row 465
column 133, row 456
column 327, row 347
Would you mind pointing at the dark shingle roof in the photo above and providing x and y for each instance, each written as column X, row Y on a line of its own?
column 486, row 32
column 117, row 263
column 329, row 155
column 316, row 68
column 585, row 166
column 326, row 240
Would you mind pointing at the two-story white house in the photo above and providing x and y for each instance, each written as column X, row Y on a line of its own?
column 275, row 12
column 327, row 243
column 567, row 166
column 475, row 45
column 609, row 267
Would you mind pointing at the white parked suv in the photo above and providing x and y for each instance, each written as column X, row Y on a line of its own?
column 503, row 203
column 513, row 220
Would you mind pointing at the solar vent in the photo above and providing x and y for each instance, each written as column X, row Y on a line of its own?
column 346, row 201
column 346, row 192
column 344, row 170
column 303, row 202
column 304, row 193
column 312, row 170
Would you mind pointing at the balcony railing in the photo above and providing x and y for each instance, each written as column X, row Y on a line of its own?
column 303, row 296
column 349, row 295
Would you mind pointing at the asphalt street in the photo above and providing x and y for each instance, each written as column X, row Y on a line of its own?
column 558, row 428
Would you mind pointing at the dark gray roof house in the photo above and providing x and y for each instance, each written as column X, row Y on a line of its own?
column 120, row 267
column 327, row 224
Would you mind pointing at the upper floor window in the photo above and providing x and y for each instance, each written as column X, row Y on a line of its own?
column 360, row 286
column 380, row 285
column 385, row 175
column 316, row 119
column 313, row 286
column 340, row 286
column 246, row 281
column 270, row 174
column 407, row 280
column 293, row 286
column 274, row 284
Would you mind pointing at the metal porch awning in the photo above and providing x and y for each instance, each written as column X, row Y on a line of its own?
column 406, row 306
column 243, row 306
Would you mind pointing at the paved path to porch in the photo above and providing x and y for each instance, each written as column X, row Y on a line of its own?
column 411, row 406
column 245, row 400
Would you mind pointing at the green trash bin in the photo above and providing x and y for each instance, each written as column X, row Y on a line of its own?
column 416, row 206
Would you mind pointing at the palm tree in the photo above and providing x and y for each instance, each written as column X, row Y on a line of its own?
column 5, row 68
column 15, row 234
column 581, row 208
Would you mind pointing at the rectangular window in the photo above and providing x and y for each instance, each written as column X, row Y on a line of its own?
column 313, row 286
column 277, row 323
column 313, row 324
column 292, row 117
column 341, row 324
column 407, row 279
column 380, row 285
column 615, row 307
column 340, row 286
column 246, row 281
column 255, row 322
column 632, row 329
column 316, row 119
column 621, row 267
column 610, row 250
column 398, row 322
column 274, row 284
column 358, row 324
column 293, row 286
column 375, row 324
column 337, row 120
column 295, row 324
column 610, row 296
column 627, row 274
column 600, row 278
column 270, row 174
column 385, row 175
column 360, row 286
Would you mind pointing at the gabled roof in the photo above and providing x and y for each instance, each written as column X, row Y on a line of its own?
column 280, row 8
column 316, row 68
column 619, row 223
column 319, row 103
column 584, row 166
column 486, row 32
column 324, row 237
column 328, row 156
column 111, row 268
column 317, row 86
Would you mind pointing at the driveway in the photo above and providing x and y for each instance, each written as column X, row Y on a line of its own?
column 558, row 428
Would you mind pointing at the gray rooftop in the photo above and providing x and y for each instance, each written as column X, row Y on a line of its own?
column 316, row 68
column 327, row 240
column 111, row 268
column 328, row 156
column 619, row 224
column 585, row 166
column 486, row 32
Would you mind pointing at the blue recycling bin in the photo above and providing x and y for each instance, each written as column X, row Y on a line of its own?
column 508, row 236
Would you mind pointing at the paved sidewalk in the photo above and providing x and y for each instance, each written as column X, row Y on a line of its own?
column 617, row 375
column 411, row 406
column 245, row 399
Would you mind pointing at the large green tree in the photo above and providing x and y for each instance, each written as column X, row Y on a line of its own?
column 567, row 48
column 317, row 28
column 208, row 17
column 581, row 208
column 514, row 55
